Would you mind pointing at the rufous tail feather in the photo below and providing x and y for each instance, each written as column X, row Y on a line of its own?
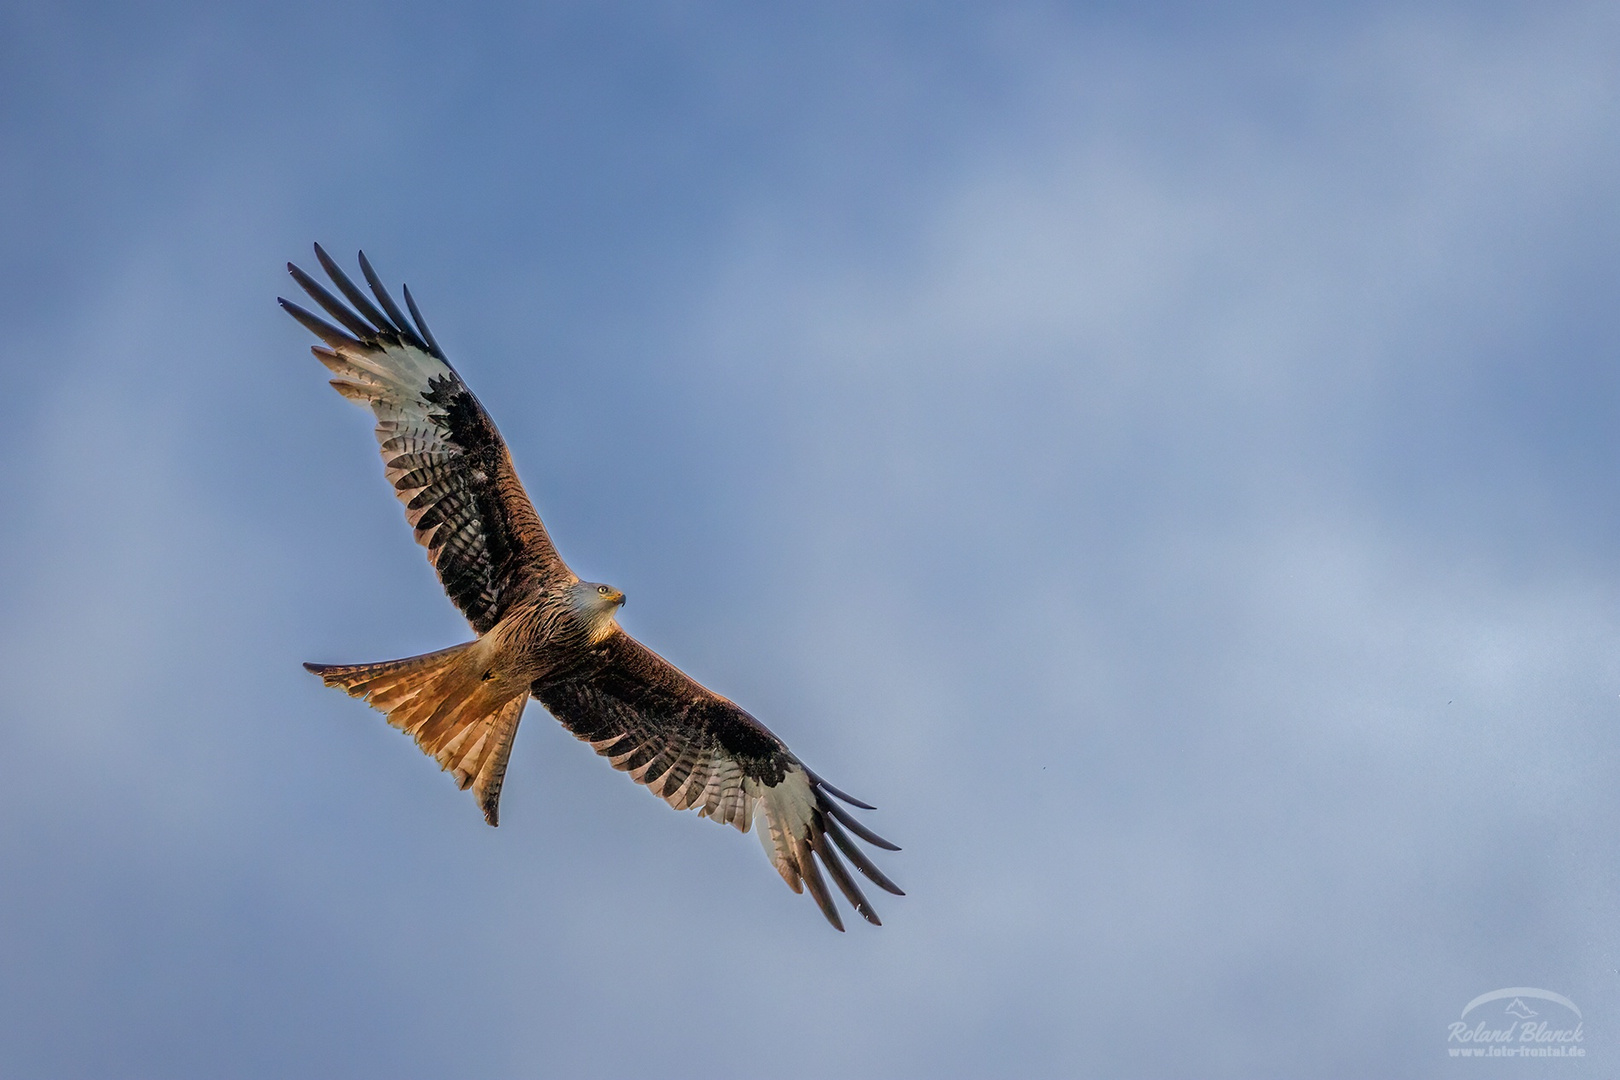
column 442, row 700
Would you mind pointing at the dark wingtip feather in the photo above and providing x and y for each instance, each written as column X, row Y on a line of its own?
column 396, row 316
column 811, row 873
column 365, row 307
column 421, row 324
column 334, row 307
column 856, row 827
column 829, row 789
column 859, row 858
column 840, row 875
column 317, row 325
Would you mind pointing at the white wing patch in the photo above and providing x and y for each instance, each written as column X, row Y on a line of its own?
column 786, row 809
column 392, row 381
column 393, row 374
column 717, row 787
column 436, row 479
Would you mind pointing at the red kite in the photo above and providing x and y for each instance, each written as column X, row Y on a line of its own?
column 541, row 630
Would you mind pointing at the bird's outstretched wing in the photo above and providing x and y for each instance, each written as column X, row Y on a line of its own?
column 693, row 748
column 440, row 449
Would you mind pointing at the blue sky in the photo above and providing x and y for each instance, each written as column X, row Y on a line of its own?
column 1164, row 457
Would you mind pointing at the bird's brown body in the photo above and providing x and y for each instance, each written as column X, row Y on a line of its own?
column 542, row 632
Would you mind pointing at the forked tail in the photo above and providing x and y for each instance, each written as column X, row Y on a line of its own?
column 443, row 701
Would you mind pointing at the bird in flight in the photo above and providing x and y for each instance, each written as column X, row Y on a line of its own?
column 543, row 632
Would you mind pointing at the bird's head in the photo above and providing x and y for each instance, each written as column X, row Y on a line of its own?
column 596, row 604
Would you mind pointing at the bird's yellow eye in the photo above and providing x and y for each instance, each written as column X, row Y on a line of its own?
column 602, row 589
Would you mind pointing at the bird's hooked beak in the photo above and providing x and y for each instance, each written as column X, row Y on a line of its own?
column 616, row 598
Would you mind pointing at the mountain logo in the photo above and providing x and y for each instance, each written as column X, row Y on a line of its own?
column 1521, row 1031
column 1517, row 993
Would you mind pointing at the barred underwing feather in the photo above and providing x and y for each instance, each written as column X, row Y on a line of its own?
column 352, row 391
column 695, row 749
column 418, row 472
column 691, row 789
column 490, row 548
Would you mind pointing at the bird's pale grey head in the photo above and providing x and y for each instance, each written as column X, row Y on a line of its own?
column 595, row 604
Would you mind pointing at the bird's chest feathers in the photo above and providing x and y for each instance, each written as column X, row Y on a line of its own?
column 535, row 641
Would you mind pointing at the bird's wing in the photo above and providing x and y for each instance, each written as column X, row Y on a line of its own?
column 693, row 748
column 440, row 449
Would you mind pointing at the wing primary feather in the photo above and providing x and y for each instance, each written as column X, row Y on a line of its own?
column 421, row 324
column 857, row 828
column 818, row 888
column 365, row 307
column 318, row 326
column 858, row 857
column 829, row 789
column 334, row 307
column 840, row 875
column 395, row 316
